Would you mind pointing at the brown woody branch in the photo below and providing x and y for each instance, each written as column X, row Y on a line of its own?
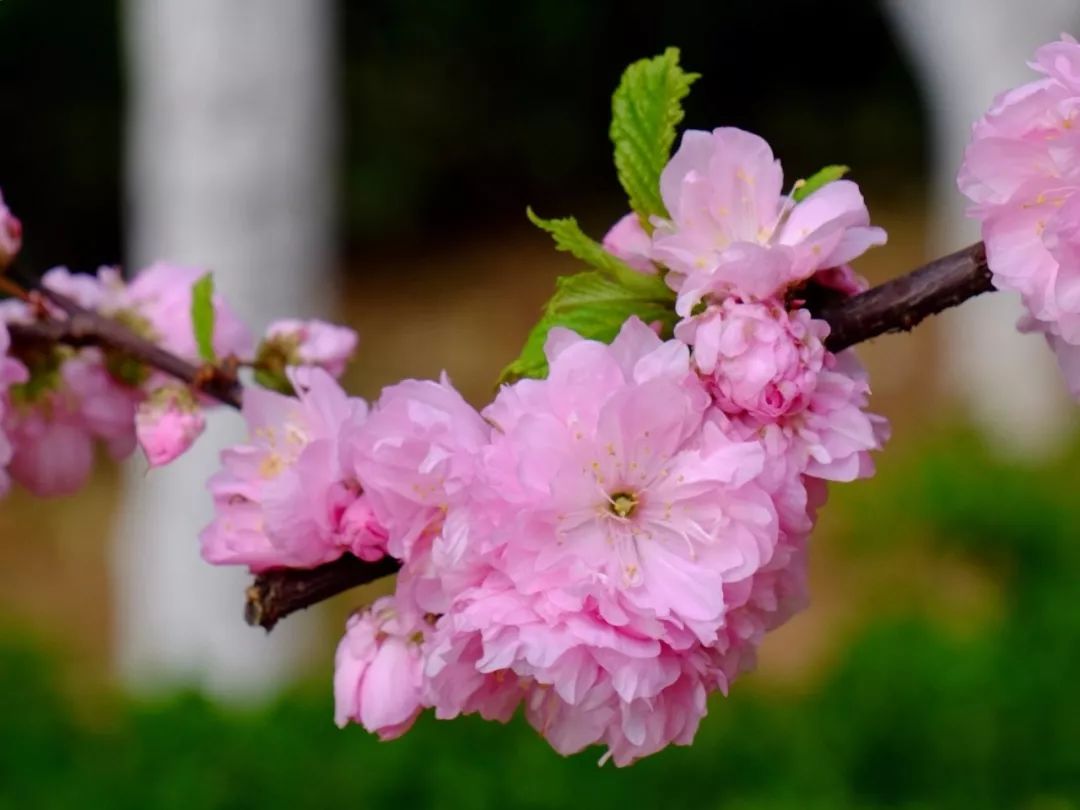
column 897, row 305
column 275, row 594
column 84, row 327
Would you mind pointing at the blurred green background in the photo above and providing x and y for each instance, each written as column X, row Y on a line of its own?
column 938, row 665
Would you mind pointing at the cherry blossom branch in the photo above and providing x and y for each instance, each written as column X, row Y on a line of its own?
column 84, row 327
column 896, row 305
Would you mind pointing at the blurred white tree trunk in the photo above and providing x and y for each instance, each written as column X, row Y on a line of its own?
column 231, row 137
column 966, row 52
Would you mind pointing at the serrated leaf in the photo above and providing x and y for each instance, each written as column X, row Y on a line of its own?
column 570, row 238
column 645, row 109
column 593, row 305
column 822, row 177
column 202, row 317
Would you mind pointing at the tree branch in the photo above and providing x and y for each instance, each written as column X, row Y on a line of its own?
column 84, row 327
column 896, row 305
column 899, row 305
column 277, row 593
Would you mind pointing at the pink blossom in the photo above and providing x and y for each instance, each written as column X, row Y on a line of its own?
column 161, row 294
column 156, row 304
column 53, row 455
column 11, row 372
column 616, row 492
column 167, row 423
column 105, row 407
column 1022, row 171
column 612, row 538
column 628, row 241
column 102, row 292
column 758, row 358
column 455, row 683
column 418, row 451
column 831, row 437
column 68, row 402
column 311, row 343
column 583, row 680
column 54, row 420
column 378, row 670
column 10, row 235
column 287, row 498
column 732, row 232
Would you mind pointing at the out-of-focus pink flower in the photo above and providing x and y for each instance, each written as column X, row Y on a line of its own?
column 105, row 407
column 1022, row 173
column 287, row 498
column 758, row 358
column 161, row 294
column 378, row 669
column 54, row 419
column 732, row 232
column 628, row 241
column 311, row 343
column 53, row 455
column 11, row 372
column 167, row 423
column 10, row 235
column 102, row 292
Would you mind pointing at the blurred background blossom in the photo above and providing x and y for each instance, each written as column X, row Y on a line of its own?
column 372, row 162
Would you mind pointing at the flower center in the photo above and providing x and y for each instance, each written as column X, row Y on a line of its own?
column 624, row 503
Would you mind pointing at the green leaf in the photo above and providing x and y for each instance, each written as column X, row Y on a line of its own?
column 273, row 356
column 202, row 317
column 569, row 237
column 646, row 108
column 822, row 177
column 274, row 382
column 595, row 306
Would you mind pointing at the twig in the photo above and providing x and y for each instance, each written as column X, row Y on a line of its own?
column 900, row 304
column 84, row 327
column 275, row 594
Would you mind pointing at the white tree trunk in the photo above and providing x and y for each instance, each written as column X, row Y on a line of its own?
column 231, row 137
column 965, row 52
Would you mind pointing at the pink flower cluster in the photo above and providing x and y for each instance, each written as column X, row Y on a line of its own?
column 1021, row 171
column 290, row 497
column 605, row 547
column 73, row 399
column 57, row 403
